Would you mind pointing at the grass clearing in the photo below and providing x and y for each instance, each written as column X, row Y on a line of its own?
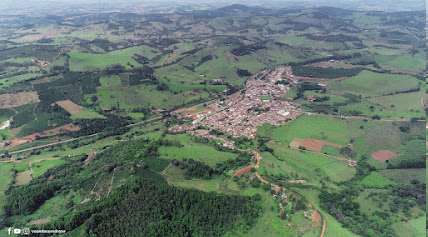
column 5, row 180
column 404, row 176
column 402, row 62
column 41, row 166
column 369, row 83
column 140, row 96
column 81, row 61
column 376, row 180
column 10, row 81
column 191, row 149
column 413, row 228
column 23, row 178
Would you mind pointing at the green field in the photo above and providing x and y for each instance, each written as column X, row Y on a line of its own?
column 375, row 180
column 5, row 180
column 369, row 83
column 86, row 114
column 311, row 166
column 191, row 149
column 81, row 61
column 402, row 105
column 185, row 57
column 402, row 62
column 404, row 176
column 412, row 228
column 144, row 96
column 302, row 41
column 315, row 126
column 10, row 81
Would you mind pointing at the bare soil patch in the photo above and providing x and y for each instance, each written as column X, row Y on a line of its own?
column 316, row 218
column 18, row 99
column 69, row 106
column 384, row 155
column 60, row 130
column 311, row 144
column 23, row 178
column 91, row 157
column 22, row 140
column 243, row 171
column 47, row 133
column 41, row 221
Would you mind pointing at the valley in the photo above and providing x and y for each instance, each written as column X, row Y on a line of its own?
column 231, row 121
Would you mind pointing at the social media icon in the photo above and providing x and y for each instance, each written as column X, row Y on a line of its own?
column 26, row 231
column 17, row 231
column 9, row 230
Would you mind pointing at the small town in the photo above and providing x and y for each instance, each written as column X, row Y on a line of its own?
column 260, row 102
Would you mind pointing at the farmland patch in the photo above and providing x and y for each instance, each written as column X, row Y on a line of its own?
column 384, row 155
column 18, row 99
column 311, row 144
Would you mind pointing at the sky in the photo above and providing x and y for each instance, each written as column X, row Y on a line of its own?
column 383, row 5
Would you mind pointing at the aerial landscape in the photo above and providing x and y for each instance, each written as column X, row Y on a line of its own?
column 213, row 118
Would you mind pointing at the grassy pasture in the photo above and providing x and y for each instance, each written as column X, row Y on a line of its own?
column 80, row 61
column 375, row 180
column 311, row 166
column 5, row 180
column 175, row 177
column 314, row 126
column 86, row 114
column 268, row 224
column 180, row 79
column 139, row 96
column 301, row 41
column 404, row 176
column 193, row 150
column 413, row 228
column 402, row 62
column 369, row 83
column 222, row 65
column 334, row 228
column 39, row 167
column 10, row 81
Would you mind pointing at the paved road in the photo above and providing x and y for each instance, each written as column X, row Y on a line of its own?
column 79, row 138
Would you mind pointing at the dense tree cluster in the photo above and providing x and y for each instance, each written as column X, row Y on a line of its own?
column 247, row 49
column 242, row 160
column 345, row 209
column 140, row 75
column 112, row 125
column 194, row 169
column 243, row 72
column 147, row 209
column 145, row 205
column 408, row 196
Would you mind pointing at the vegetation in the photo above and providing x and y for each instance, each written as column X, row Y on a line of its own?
column 127, row 77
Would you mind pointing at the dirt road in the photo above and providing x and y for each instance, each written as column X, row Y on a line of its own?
column 258, row 158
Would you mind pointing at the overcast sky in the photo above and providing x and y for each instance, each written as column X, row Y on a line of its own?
column 388, row 5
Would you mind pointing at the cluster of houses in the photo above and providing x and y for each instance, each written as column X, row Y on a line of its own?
column 260, row 102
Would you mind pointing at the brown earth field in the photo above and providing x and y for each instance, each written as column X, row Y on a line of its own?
column 242, row 171
column 311, row 144
column 69, row 106
column 316, row 218
column 23, row 178
column 18, row 99
column 40, row 221
column 51, row 132
column 384, row 155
